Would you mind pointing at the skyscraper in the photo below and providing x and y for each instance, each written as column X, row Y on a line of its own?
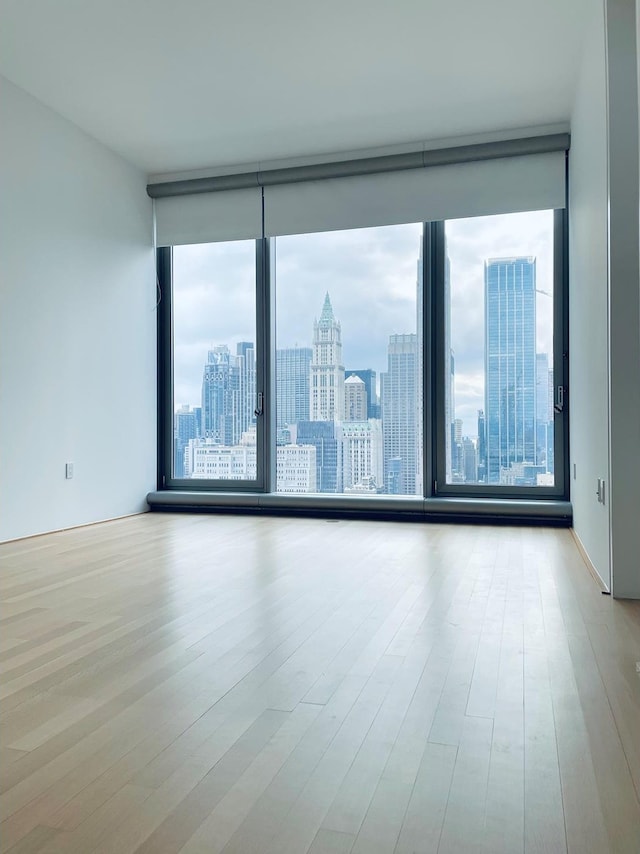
column 362, row 453
column 542, row 388
column 510, row 367
column 245, row 364
column 325, row 436
column 544, row 412
column 228, row 393
column 401, row 414
column 327, row 370
column 355, row 399
column 482, row 447
column 293, row 366
column 457, row 458
column 186, row 427
column 469, row 460
column 368, row 377
column 220, row 386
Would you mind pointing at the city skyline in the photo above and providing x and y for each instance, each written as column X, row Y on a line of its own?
column 371, row 275
column 294, row 368
column 366, row 454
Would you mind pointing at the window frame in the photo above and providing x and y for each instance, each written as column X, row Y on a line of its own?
column 166, row 410
column 434, row 447
column 439, row 486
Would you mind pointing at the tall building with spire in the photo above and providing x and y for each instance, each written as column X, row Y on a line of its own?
column 327, row 370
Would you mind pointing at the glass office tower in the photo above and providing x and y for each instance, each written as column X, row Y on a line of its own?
column 401, row 413
column 510, row 370
column 293, row 367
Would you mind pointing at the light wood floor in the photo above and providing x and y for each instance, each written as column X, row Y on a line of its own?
column 200, row 684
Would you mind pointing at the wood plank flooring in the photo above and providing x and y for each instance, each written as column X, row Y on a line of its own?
column 248, row 685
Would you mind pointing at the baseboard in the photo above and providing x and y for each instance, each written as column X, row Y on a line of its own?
column 590, row 566
column 72, row 527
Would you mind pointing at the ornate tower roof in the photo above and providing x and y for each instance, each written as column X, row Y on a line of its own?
column 327, row 318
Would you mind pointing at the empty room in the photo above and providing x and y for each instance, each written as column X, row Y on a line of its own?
column 319, row 427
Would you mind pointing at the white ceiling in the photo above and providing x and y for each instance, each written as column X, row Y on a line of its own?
column 186, row 84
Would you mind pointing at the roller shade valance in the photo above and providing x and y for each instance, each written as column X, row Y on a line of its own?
column 209, row 217
column 508, row 185
column 507, row 177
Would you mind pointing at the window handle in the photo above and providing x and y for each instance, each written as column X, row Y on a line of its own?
column 558, row 406
column 260, row 404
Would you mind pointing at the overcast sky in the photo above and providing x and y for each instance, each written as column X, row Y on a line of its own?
column 371, row 277
column 470, row 242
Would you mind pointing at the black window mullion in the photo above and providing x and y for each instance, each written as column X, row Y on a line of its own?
column 433, row 253
column 561, row 375
column 165, row 369
column 265, row 356
column 437, row 357
column 561, row 349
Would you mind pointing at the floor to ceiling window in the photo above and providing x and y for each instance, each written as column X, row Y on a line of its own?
column 213, row 301
column 348, row 368
column 499, row 350
column 399, row 335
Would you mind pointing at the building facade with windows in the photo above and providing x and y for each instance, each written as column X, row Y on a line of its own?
column 510, row 367
column 293, row 366
column 400, row 414
column 362, row 454
column 355, row 399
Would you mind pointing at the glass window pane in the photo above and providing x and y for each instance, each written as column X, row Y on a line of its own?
column 348, row 362
column 214, row 364
column 499, row 350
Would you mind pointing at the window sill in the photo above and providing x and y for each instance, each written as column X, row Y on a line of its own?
column 490, row 511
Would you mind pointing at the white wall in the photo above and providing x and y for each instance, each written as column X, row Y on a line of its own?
column 77, row 325
column 605, row 296
column 624, row 296
column 588, row 276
